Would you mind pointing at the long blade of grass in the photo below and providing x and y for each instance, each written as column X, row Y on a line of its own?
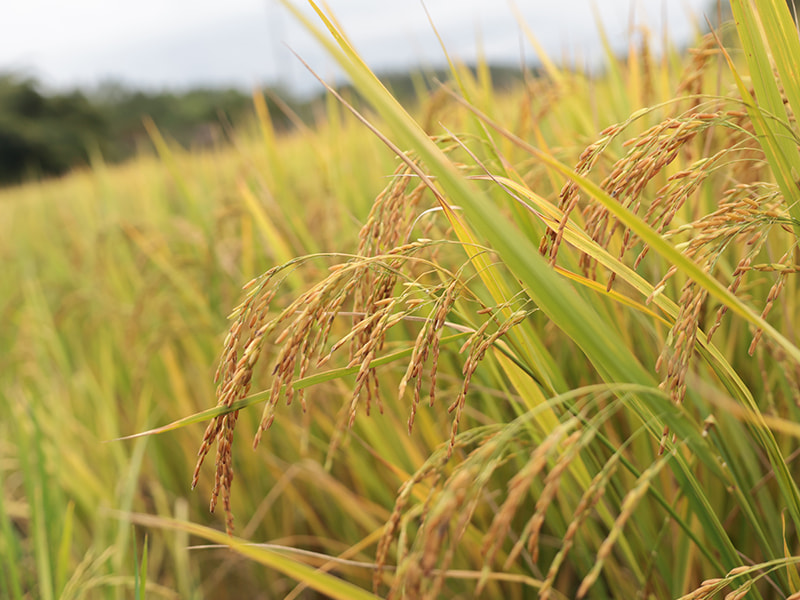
column 329, row 585
column 163, row 149
column 275, row 241
column 768, row 112
column 142, row 571
column 298, row 384
column 63, row 561
column 781, row 35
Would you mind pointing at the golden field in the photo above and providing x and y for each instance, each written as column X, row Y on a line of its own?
column 538, row 343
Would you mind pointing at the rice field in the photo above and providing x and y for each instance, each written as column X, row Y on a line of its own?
column 537, row 343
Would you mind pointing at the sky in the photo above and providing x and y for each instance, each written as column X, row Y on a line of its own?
column 157, row 44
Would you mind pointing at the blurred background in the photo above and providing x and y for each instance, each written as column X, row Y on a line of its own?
column 76, row 78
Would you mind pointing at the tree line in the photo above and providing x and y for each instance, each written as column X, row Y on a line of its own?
column 47, row 134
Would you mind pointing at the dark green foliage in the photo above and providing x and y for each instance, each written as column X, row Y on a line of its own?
column 43, row 135
column 402, row 84
column 192, row 118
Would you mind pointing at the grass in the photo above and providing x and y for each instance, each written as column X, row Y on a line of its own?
column 118, row 283
column 554, row 357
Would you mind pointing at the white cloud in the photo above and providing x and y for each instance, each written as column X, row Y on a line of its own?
column 184, row 42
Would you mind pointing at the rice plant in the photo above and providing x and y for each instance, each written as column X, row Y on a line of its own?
column 116, row 285
column 632, row 433
column 531, row 344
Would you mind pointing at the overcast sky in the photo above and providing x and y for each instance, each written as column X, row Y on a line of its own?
column 181, row 43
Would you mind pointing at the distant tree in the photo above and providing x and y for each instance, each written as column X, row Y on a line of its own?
column 43, row 135
column 183, row 116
